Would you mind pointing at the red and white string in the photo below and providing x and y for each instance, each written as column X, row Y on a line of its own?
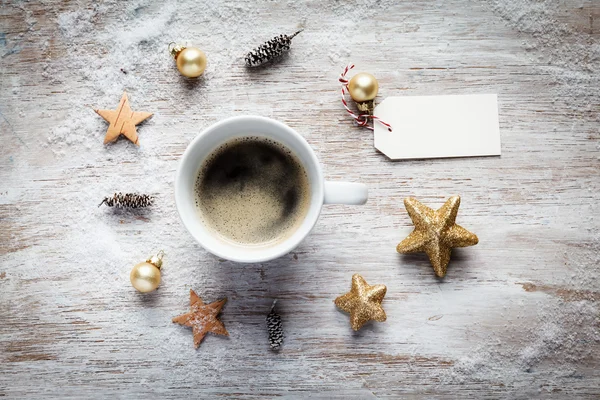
column 360, row 119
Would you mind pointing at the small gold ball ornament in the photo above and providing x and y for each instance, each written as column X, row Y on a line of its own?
column 363, row 88
column 191, row 61
column 145, row 276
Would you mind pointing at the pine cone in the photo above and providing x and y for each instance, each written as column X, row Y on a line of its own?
column 128, row 200
column 270, row 50
column 275, row 328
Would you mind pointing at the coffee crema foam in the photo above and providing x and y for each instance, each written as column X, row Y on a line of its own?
column 252, row 191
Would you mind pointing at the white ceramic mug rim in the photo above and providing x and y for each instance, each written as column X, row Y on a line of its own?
column 248, row 254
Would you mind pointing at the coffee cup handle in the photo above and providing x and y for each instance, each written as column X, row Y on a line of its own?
column 345, row 193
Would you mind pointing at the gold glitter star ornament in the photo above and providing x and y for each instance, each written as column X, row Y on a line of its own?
column 436, row 232
column 363, row 302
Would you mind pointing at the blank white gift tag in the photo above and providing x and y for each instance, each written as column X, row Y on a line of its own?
column 438, row 126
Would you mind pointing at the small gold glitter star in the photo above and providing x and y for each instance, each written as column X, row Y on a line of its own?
column 436, row 232
column 363, row 302
column 122, row 121
column 202, row 318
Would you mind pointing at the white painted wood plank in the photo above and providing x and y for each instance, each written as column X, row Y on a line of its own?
column 516, row 316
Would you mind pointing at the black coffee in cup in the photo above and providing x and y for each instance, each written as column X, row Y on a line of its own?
column 252, row 191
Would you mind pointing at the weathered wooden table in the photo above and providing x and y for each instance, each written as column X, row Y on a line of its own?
column 516, row 316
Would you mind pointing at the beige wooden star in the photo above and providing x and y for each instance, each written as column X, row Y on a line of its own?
column 122, row 121
column 363, row 302
column 202, row 318
column 436, row 232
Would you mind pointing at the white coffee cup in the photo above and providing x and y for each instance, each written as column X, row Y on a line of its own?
column 322, row 192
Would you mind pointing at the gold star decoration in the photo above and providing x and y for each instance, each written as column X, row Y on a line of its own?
column 436, row 232
column 363, row 302
column 122, row 121
column 202, row 318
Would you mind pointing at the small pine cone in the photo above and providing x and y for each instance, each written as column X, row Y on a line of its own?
column 270, row 50
column 128, row 200
column 275, row 328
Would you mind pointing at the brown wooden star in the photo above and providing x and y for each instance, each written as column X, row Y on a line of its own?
column 436, row 232
column 202, row 318
column 122, row 121
column 363, row 302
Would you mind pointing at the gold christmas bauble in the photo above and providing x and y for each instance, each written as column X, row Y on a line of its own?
column 191, row 62
column 363, row 87
column 145, row 277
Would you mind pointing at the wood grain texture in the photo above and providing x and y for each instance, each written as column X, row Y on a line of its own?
column 516, row 316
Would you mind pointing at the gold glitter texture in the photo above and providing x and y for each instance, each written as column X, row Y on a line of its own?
column 436, row 232
column 363, row 302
